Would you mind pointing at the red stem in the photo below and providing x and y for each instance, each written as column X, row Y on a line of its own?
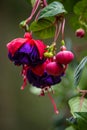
column 58, row 29
column 24, row 71
column 36, row 18
column 33, row 11
column 63, row 26
column 45, row 2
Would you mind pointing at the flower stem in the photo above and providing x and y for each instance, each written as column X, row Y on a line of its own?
column 24, row 71
column 45, row 2
column 63, row 26
column 58, row 29
column 83, row 92
column 33, row 11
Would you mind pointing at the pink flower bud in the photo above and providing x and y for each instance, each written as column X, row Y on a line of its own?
column 80, row 32
column 64, row 57
column 55, row 69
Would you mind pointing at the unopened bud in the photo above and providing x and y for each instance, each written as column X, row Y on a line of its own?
column 80, row 32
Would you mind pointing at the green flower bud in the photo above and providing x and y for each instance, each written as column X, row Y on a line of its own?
column 48, row 54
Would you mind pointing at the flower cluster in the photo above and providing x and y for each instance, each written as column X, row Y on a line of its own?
column 30, row 54
column 41, row 71
column 41, row 66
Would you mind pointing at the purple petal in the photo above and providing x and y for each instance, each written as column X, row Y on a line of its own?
column 27, row 54
column 42, row 81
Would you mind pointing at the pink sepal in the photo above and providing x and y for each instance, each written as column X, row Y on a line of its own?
column 15, row 44
column 40, row 46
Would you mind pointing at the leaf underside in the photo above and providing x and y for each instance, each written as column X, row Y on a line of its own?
column 78, row 71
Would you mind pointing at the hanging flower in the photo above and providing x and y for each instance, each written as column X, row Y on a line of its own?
column 26, row 51
column 44, row 80
column 39, row 77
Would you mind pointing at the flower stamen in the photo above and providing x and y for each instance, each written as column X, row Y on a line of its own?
column 24, row 71
column 53, row 103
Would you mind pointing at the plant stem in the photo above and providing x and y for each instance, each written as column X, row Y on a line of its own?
column 58, row 29
column 63, row 26
column 33, row 11
column 83, row 92
column 45, row 2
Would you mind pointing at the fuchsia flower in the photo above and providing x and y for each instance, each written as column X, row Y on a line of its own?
column 40, row 78
column 26, row 51
column 41, row 69
column 37, row 69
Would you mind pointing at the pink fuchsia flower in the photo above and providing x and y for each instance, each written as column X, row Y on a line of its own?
column 44, row 80
column 40, row 78
column 26, row 51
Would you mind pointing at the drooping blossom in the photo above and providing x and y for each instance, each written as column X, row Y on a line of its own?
column 30, row 54
column 44, row 80
column 39, row 77
column 26, row 51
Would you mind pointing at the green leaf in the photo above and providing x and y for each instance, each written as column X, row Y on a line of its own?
column 53, row 9
column 81, row 8
column 43, row 28
column 81, row 120
column 75, row 105
column 82, row 116
column 68, row 4
column 50, row 1
column 70, row 128
column 78, row 71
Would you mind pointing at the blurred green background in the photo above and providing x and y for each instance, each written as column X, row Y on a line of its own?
column 22, row 110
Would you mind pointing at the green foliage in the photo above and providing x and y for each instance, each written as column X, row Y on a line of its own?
column 79, row 20
column 81, row 118
column 79, row 112
column 50, row 1
column 81, row 8
column 78, row 71
column 43, row 28
column 79, row 122
column 53, row 9
column 76, row 106
column 68, row 4
column 70, row 128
